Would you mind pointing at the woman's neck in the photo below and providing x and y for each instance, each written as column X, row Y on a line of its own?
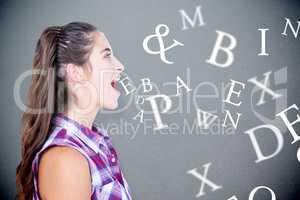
column 82, row 118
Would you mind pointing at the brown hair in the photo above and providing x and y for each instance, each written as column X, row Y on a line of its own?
column 57, row 45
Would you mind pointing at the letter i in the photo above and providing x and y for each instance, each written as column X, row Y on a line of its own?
column 263, row 42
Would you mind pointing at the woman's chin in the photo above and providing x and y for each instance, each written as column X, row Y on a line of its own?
column 112, row 101
column 112, row 105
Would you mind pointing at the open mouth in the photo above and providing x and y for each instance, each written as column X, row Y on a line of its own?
column 114, row 84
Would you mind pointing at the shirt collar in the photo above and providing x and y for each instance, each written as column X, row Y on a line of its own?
column 94, row 137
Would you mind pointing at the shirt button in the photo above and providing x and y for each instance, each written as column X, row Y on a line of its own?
column 113, row 159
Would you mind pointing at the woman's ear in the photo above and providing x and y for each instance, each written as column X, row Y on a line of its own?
column 75, row 73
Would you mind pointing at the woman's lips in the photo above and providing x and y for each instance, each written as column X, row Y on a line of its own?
column 114, row 84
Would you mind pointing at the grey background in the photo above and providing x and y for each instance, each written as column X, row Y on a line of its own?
column 155, row 163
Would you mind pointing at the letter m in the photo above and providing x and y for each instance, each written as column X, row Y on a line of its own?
column 186, row 18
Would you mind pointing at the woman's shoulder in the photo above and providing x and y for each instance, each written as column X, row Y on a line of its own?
column 62, row 156
column 60, row 144
column 61, row 153
column 60, row 136
column 64, row 170
column 63, row 150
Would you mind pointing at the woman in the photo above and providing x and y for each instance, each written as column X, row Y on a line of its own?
column 74, row 76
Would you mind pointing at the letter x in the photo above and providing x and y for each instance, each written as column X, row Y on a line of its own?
column 204, row 180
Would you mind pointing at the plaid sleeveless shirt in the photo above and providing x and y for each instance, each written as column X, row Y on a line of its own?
column 108, row 181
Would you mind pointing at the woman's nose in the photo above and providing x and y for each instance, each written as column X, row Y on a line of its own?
column 119, row 65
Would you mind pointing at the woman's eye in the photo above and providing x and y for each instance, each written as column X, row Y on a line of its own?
column 108, row 55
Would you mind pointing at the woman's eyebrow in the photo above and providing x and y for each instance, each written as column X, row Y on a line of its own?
column 106, row 49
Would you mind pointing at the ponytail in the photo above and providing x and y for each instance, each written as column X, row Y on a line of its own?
column 40, row 103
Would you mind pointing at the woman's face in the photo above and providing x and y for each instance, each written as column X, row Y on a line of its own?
column 106, row 69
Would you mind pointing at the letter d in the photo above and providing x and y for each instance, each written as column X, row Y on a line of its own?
column 277, row 133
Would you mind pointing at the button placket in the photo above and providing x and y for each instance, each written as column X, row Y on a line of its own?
column 108, row 160
column 112, row 159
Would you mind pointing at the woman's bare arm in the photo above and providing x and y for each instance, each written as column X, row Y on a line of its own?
column 64, row 175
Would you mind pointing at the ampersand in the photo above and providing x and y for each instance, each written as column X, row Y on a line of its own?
column 162, row 48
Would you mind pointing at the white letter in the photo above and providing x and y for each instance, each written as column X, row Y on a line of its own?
column 204, row 180
column 206, row 115
column 233, row 82
column 140, row 115
column 290, row 124
column 273, row 196
column 227, row 50
column 288, row 22
column 146, row 82
column 182, row 85
column 279, row 137
column 192, row 23
column 125, row 85
column 231, row 119
column 263, row 42
column 137, row 98
column 264, row 88
column 152, row 100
